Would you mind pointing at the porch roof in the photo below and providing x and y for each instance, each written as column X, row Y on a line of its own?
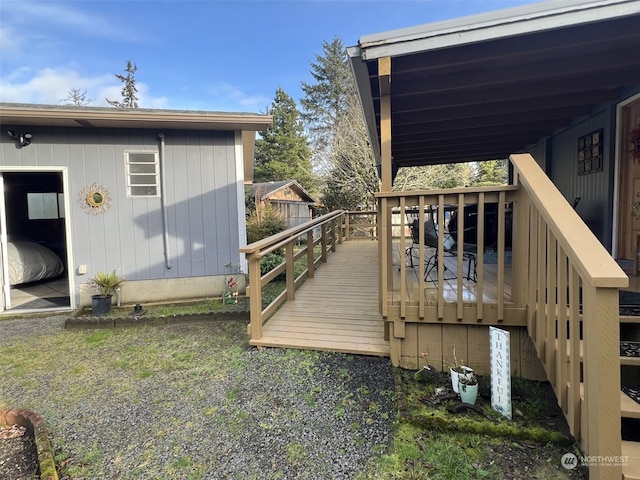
column 485, row 86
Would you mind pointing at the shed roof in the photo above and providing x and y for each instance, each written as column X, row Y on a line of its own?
column 109, row 117
column 265, row 189
column 485, row 86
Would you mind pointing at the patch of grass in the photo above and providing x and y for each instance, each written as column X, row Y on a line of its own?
column 432, row 444
column 146, row 373
column 206, row 306
column 182, row 462
column 197, row 307
column 416, row 454
column 232, row 394
column 296, row 452
column 99, row 337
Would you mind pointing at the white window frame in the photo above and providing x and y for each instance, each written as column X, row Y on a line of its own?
column 131, row 176
column 44, row 206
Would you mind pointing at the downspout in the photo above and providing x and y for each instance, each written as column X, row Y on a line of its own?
column 163, row 206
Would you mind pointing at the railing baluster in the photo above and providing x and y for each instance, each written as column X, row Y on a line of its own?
column 541, row 315
column 480, row 259
column 574, row 414
column 403, row 261
column 421, row 268
column 460, row 257
column 551, row 308
column 561, row 360
column 501, row 235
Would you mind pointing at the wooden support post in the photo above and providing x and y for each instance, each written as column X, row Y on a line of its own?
column 311, row 265
column 291, row 281
column 347, row 228
column 255, row 296
column 520, row 247
column 383, row 255
column 602, row 378
column 333, row 235
column 323, row 242
column 384, row 72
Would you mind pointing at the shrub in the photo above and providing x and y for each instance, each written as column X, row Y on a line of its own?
column 263, row 222
column 271, row 261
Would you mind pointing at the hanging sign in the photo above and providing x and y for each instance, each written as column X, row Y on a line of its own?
column 500, row 357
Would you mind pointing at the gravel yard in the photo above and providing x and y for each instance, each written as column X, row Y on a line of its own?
column 195, row 402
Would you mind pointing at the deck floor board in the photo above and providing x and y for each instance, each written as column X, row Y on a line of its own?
column 337, row 309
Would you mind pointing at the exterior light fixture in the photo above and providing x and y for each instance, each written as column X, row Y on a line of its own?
column 22, row 139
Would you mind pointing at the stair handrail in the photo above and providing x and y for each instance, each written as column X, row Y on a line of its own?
column 581, row 285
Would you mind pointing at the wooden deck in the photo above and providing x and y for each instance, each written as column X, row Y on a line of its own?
column 337, row 310
column 470, row 293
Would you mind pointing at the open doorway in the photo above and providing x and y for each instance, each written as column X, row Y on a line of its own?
column 629, row 183
column 35, row 254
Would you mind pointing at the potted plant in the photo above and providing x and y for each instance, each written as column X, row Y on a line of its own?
column 468, row 386
column 106, row 284
column 458, row 370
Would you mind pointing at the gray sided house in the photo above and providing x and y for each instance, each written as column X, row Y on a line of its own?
column 156, row 195
column 288, row 197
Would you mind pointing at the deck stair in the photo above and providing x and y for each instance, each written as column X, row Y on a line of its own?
column 630, row 408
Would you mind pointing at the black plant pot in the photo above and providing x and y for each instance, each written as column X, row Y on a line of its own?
column 100, row 305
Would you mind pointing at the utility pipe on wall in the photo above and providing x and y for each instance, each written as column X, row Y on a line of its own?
column 163, row 205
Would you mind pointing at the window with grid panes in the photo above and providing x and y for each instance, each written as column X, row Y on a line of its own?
column 143, row 179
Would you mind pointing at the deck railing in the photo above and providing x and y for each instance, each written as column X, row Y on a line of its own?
column 573, row 316
column 324, row 232
column 563, row 284
column 309, row 243
column 399, row 209
column 563, row 287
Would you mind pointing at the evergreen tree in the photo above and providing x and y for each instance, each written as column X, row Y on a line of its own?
column 325, row 100
column 129, row 90
column 282, row 152
column 341, row 147
column 353, row 180
column 491, row 172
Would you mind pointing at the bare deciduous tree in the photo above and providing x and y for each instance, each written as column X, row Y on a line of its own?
column 76, row 97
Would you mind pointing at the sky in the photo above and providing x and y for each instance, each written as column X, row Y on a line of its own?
column 228, row 56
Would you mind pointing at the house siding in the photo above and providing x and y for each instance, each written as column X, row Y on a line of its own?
column 594, row 189
column 200, row 196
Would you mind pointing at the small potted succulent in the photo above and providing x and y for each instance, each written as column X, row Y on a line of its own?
column 106, row 284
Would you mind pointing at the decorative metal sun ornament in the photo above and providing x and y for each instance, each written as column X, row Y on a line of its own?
column 95, row 198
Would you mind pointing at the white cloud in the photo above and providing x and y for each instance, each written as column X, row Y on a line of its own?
column 238, row 96
column 51, row 86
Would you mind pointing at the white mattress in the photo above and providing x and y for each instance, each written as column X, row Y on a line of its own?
column 30, row 262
